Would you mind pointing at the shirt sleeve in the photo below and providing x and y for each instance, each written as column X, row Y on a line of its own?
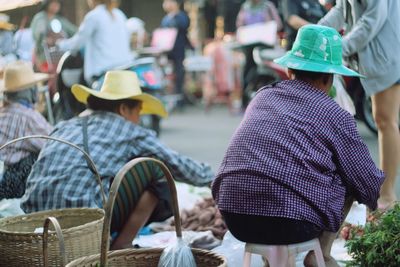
column 37, row 125
column 334, row 18
column 355, row 165
column 39, row 28
column 69, row 28
column 85, row 32
column 183, row 168
column 366, row 28
column 182, row 22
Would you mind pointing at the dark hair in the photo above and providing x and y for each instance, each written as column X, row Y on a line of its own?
column 311, row 75
column 181, row 4
column 46, row 3
column 96, row 103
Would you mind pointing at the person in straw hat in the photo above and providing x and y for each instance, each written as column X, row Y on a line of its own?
column 297, row 161
column 6, row 35
column 112, row 136
column 18, row 118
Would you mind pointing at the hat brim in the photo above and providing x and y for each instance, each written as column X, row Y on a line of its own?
column 294, row 62
column 37, row 78
column 6, row 26
column 150, row 104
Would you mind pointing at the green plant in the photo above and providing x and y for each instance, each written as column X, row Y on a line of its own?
column 378, row 244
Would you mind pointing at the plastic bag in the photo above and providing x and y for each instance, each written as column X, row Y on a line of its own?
column 178, row 254
column 233, row 250
column 342, row 98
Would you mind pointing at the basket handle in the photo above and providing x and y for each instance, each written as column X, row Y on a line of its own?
column 105, row 242
column 89, row 161
column 60, row 240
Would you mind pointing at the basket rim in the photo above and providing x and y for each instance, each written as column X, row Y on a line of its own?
column 129, row 251
column 54, row 213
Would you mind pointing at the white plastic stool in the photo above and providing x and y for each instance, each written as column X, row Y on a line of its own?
column 283, row 255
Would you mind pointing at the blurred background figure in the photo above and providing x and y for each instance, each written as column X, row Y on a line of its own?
column 298, row 13
column 104, row 36
column 177, row 18
column 256, row 11
column 48, row 26
column 252, row 12
column 19, row 118
column 6, row 39
column 137, row 32
column 372, row 43
column 24, row 44
column 210, row 14
column 222, row 80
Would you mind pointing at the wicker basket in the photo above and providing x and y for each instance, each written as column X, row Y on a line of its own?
column 80, row 234
column 148, row 257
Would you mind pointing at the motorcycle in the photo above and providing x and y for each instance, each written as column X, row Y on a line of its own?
column 70, row 71
column 265, row 71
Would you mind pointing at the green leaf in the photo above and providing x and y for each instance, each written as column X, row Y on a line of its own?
column 379, row 242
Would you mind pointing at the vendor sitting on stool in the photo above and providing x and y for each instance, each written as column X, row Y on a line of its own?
column 18, row 118
column 111, row 136
column 297, row 161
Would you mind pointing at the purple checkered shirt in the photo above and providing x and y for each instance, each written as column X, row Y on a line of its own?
column 296, row 154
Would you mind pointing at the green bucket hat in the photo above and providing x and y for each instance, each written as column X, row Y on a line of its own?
column 317, row 48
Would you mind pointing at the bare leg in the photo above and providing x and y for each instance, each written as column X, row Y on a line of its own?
column 326, row 241
column 139, row 216
column 386, row 107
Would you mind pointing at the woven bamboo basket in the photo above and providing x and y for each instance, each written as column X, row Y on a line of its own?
column 144, row 257
column 80, row 234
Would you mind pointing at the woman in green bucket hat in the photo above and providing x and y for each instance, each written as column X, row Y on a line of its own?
column 317, row 49
column 297, row 162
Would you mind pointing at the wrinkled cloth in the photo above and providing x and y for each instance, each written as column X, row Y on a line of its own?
column 61, row 178
column 296, row 154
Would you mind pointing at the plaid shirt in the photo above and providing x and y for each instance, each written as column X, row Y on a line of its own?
column 17, row 121
column 296, row 154
column 61, row 178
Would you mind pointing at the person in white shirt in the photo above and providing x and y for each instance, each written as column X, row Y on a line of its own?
column 104, row 36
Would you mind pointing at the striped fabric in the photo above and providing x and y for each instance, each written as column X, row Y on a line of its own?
column 135, row 182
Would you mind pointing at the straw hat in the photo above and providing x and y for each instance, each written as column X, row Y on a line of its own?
column 4, row 23
column 317, row 48
column 19, row 75
column 121, row 84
